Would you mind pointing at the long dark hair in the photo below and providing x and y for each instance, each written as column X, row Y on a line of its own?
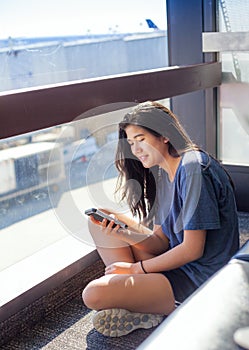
column 138, row 184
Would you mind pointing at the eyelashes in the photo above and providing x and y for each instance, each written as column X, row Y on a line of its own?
column 132, row 143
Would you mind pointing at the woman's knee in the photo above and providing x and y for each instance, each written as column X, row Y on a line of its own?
column 91, row 295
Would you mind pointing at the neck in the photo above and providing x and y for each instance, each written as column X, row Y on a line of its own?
column 170, row 165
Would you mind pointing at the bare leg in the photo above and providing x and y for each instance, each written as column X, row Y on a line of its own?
column 109, row 248
column 141, row 293
column 112, row 249
column 150, row 293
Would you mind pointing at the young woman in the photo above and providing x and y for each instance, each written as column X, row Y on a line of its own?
column 187, row 195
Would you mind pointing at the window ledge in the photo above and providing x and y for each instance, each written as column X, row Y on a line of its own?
column 36, row 275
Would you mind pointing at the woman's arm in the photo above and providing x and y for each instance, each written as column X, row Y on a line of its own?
column 190, row 249
column 153, row 242
column 133, row 224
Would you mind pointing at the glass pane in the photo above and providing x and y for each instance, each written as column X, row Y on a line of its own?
column 234, row 91
column 49, row 178
column 51, row 42
column 45, row 183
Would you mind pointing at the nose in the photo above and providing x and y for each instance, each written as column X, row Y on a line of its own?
column 136, row 147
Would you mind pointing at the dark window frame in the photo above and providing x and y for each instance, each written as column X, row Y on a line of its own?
column 34, row 109
column 186, row 23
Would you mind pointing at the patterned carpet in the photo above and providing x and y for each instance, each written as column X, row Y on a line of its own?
column 69, row 326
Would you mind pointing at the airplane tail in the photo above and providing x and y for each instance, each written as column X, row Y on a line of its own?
column 151, row 24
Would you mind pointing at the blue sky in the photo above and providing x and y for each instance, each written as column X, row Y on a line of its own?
column 65, row 17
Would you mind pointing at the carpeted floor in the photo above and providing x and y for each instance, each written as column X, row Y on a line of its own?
column 69, row 326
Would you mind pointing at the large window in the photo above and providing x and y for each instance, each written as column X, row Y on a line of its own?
column 46, row 179
column 49, row 177
column 50, row 42
column 234, row 92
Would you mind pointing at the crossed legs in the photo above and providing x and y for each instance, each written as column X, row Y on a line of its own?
column 147, row 293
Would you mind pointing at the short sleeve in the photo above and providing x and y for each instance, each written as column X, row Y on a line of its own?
column 200, row 209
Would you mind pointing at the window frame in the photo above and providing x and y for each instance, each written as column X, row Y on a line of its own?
column 34, row 109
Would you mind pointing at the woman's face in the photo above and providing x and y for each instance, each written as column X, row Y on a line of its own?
column 148, row 148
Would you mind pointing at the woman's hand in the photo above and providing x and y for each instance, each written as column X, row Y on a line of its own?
column 107, row 227
column 124, row 268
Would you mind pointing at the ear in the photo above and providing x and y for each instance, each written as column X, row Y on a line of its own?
column 165, row 140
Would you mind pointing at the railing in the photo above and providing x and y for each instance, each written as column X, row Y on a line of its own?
column 29, row 110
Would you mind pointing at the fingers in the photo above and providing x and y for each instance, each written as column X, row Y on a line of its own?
column 109, row 270
column 108, row 228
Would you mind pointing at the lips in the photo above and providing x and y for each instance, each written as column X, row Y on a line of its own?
column 143, row 158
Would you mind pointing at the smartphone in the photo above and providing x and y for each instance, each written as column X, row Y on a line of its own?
column 100, row 216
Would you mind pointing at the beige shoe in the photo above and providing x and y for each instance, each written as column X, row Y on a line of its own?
column 119, row 322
